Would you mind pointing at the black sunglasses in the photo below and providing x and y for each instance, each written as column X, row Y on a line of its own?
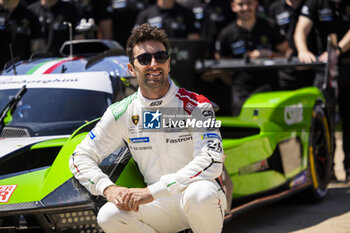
column 146, row 58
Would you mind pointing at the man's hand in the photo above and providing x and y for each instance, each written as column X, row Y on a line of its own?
column 127, row 199
column 323, row 57
column 136, row 197
column 116, row 195
column 306, row 57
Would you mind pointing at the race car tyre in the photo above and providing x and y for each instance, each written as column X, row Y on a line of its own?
column 319, row 155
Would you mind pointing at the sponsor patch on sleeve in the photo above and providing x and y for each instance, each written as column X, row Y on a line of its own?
column 6, row 192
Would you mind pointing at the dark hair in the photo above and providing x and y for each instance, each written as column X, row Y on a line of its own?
column 145, row 32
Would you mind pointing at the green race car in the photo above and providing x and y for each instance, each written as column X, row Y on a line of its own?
column 281, row 143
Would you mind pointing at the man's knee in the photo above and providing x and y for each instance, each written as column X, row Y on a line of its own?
column 105, row 215
column 203, row 203
column 201, row 196
column 110, row 217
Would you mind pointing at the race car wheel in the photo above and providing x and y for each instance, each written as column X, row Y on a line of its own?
column 320, row 155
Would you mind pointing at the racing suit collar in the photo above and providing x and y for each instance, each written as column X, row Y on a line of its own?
column 161, row 101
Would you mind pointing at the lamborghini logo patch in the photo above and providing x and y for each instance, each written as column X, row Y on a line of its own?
column 6, row 192
column 135, row 119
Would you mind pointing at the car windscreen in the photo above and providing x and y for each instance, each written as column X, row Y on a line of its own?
column 48, row 105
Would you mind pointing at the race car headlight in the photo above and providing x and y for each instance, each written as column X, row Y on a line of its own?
column 70, row 192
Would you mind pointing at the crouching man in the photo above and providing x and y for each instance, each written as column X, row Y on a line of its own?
column 180, row 167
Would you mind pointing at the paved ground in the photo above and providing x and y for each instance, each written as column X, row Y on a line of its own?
column 330, row 216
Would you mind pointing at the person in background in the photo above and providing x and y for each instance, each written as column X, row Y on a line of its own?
column 317, row 15
column 53, row 15
column 101, row 12
column 252, row 37
column 126, row 9
column 197, row 7
column 263, row 8
column 216, row 15
column 179, row 167
column 212, row 16
column 330, row 18
column 20, row 28
column 344, row 44
column 285, row 14
column 176, row 20
column 341, row 9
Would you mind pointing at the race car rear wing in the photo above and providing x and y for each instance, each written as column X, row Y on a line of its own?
column 258, row 64
column 329, row 67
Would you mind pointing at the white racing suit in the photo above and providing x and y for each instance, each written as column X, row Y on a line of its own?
column 179, row 154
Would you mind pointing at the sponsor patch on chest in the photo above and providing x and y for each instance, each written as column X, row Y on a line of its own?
column 139, row 140
column 182, row 138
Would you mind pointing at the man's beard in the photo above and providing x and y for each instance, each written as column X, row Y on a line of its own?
column 157, row 82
